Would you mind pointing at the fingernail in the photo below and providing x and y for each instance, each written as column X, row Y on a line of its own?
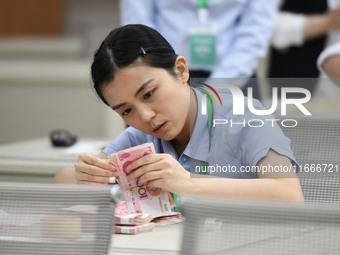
column 139, row 184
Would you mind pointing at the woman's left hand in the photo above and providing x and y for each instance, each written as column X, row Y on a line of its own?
column 161, row 171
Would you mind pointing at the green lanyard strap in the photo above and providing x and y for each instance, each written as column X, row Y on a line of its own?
column 203, row 4
column 210, row 117
column 204, row 164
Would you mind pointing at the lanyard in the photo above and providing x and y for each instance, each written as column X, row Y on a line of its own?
column 203, row 4
column 202, row 11
column 204, row 164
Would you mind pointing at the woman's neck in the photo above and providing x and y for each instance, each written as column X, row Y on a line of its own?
column 182, row 140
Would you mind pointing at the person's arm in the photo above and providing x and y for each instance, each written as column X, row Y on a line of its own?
column 161, row 170
column 331, row 67
column 329, row 63
column 293, row 29
column 318, row 25
column 89, row 169
column 137, row 12
column 249, row 42
column 285, row 186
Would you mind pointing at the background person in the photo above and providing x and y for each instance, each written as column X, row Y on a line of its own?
column 300, row 34
column 242, row 30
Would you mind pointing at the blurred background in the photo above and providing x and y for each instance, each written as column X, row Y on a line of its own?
column 46, row 48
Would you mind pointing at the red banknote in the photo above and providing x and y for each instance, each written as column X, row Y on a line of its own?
column 140, row 199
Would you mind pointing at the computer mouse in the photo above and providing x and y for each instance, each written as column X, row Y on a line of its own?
column 62, row 138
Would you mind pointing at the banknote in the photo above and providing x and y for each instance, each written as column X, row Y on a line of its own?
column 125, row 217
column 133, row 230
column 140, row 198
column 133, row 219
column 168, row 220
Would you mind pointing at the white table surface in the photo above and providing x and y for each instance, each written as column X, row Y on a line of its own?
column 161, row 240
column 39, row 157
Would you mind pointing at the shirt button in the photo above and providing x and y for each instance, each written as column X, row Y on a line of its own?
column 184, row 159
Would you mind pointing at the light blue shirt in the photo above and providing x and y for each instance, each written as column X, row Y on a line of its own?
column 232, row 148
column 244, row 28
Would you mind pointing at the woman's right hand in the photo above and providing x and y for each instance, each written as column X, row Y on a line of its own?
column 91, row 169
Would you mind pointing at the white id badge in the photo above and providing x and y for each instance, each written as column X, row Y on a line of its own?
column 203, row 47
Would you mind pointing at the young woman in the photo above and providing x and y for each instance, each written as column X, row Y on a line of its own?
column 137, row 73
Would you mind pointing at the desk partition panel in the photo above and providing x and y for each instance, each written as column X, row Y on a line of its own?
column 55, row 219
column 231, row 227
column 315, row 142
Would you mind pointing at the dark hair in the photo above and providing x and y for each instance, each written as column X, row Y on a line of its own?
column 123, row 46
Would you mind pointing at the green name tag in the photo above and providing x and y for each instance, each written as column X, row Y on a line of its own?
column 202, row 49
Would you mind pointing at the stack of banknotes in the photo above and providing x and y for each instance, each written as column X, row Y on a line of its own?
column 141, row 198
column 144, row 207
column 130, row 222
column 133, row 223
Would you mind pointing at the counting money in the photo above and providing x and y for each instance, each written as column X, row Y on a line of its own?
column 140, row 198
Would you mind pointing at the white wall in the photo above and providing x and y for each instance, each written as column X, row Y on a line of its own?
column 38, row 96
column 45, row 82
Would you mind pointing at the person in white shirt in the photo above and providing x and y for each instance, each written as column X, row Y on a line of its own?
column 294, row 29
column 300, row 34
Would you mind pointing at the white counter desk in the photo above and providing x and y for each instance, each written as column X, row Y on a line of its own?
column 38, row 161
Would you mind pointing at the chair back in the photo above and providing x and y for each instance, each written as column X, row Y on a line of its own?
column 236, row 227
column 315, row 142
column 55, row 219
